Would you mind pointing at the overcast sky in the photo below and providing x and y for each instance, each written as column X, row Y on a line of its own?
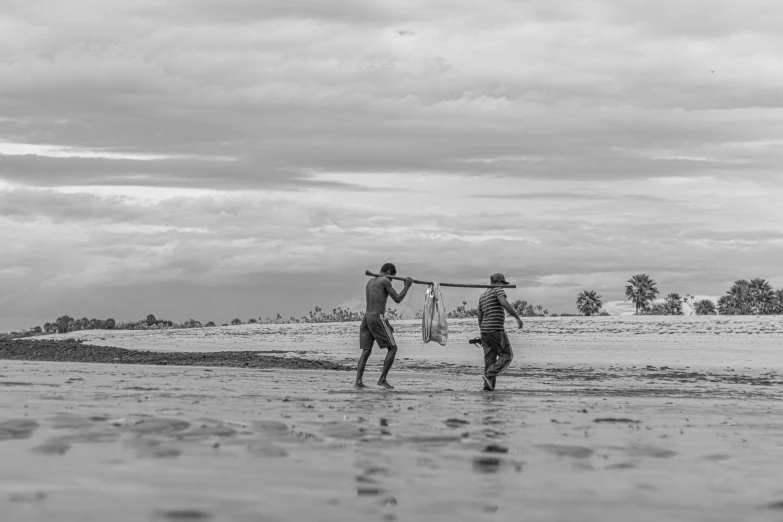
column 242, row 158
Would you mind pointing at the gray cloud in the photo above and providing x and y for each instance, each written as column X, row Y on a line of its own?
column 566, row 144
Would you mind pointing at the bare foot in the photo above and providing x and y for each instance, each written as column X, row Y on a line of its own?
column 385, row 385
column 359, row 385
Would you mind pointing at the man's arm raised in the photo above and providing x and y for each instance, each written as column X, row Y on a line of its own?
column 397, row 298
column 510, row 309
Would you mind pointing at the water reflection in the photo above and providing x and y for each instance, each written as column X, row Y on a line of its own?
column 486, row 464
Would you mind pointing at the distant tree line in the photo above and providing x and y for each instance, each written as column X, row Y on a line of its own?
column 522, row 307
column 754, row 297
column 318, row 315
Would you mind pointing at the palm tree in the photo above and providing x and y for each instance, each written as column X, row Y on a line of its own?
column 762, row 296
column 641, row 290
column 778, row 301
column 705, row 307
column 738, row 299
column 673, row 304
column 726, row 305
column 588, row 302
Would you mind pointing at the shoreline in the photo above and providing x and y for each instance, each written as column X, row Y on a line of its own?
column 78, row 352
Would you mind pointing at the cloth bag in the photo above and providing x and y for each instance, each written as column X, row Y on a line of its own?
column 433, row 322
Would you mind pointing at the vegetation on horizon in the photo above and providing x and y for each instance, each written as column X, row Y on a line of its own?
column 754, row 297
column 588, row 302
column 641, row 290
column 522, row 307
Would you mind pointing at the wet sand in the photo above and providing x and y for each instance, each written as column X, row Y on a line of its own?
column 75, row 351
column 559, row 440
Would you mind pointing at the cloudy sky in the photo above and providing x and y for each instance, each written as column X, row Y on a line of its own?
column 241, row 158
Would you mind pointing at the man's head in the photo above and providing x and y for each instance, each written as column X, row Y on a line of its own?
column 497, row 279
column 389, row 269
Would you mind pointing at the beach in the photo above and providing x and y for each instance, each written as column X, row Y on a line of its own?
column 643, row 418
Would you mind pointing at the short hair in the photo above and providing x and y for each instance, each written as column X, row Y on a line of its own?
column 390, row 268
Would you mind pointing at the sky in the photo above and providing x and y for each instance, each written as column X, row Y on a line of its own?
column 239, row 159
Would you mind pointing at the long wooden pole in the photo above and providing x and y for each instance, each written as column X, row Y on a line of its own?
column 367, row 272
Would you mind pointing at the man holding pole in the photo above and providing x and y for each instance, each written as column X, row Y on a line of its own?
column 375, row 327
column 491, row 319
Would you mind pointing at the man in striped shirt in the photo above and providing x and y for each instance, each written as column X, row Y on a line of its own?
column 491, row 319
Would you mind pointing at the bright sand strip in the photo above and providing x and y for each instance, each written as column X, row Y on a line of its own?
column 137, row 443
column 703, row 341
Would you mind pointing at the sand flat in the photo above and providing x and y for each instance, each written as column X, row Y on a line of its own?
column 737, row 341
column 556, row 442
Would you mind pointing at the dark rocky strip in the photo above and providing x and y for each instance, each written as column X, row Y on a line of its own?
column 76, row 351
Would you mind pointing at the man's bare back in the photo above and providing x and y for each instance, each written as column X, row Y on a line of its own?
column 377, row 293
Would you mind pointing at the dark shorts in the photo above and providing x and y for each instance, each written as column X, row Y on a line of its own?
column 377, row 329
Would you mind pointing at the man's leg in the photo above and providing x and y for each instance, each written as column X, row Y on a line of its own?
column 366, row 341
column 505, row 356
column 360, row 368
column 387, row 364
column 490, row 356
column 385, row 339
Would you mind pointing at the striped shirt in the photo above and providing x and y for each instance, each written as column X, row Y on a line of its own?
column 494, row 316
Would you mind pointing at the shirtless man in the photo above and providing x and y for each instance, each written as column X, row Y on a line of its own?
column 375, row 327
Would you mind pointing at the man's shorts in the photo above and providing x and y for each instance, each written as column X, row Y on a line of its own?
column 376, row 328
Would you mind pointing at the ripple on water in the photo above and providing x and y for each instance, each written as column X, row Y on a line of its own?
column 266, row 449
column 17, row 429
column 151, row 448
column 69, row 422
column 271, row 428
column 52, row 447
column 650, row 451
column 205, row 432
column 564, row 450
column 157, row 426
column 343, row 430
column 184, row 514
column 486, row 464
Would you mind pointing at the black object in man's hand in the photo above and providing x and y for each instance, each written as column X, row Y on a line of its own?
column 476, row 340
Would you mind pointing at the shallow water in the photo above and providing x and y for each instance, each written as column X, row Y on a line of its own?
column 128, row 443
